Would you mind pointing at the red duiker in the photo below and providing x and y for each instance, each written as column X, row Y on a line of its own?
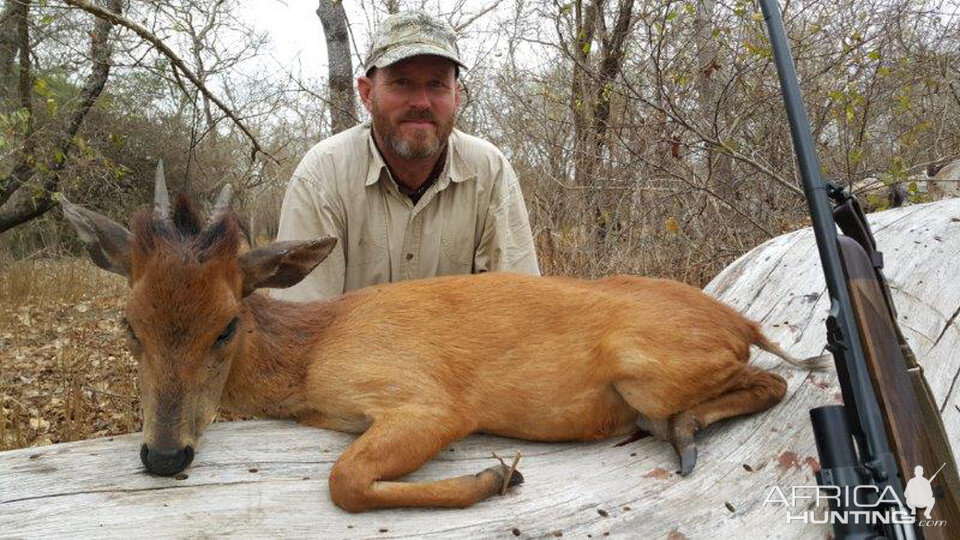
column 414, row 366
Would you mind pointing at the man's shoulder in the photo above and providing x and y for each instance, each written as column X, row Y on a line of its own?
column 349, row 142
column 482, row 160
column 475, row 149
column 336, row 158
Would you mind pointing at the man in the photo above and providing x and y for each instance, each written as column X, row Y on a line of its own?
column 407, row 195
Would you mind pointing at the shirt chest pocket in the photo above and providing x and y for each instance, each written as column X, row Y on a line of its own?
column 457, row 247
column 369, row 249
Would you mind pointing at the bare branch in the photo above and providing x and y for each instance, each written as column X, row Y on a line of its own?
column 175, row 60
column 462, row 26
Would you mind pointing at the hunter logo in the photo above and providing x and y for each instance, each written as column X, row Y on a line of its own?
column 812, row 504
column 919, row 493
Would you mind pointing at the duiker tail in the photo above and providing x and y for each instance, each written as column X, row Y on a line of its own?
column 814, row 363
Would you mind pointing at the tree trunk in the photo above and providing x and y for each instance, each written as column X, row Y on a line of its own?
column 19, row 21
column 585, row 25
column 339, row 65
column 9, row 45
column 611, row 62
column 610, row 65
column 718, row 165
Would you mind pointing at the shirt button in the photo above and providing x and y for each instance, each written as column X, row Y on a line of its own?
column 409, row 256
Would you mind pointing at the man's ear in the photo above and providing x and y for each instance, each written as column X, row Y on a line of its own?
column 283, row 264
column 107, row 243
column 364, row 87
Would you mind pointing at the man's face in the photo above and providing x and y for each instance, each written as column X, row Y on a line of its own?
column 413, row 104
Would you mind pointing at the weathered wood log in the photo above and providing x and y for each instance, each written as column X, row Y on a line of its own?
column 269, row 478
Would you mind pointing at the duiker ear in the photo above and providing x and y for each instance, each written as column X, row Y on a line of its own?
column 107, row 243
column 283, row 264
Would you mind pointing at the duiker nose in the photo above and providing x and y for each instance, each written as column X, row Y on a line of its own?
column 166, row 462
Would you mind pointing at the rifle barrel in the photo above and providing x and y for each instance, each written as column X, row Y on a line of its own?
column 868, row 419
column 862, row 407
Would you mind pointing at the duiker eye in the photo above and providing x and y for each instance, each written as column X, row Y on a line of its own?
column 227, row 333
column 130, row 333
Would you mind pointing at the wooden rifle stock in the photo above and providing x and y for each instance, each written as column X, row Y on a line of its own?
column 911, row 416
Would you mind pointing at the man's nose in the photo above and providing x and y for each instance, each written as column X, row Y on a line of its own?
column 420, row 98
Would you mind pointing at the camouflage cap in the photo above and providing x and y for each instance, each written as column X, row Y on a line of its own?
column 412, row 33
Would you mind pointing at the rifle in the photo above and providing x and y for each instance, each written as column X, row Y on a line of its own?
column 889, row 409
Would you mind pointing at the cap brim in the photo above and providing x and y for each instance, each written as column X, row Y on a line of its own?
column 403, row 52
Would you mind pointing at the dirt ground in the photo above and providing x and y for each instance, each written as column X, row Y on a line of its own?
column 65, row 371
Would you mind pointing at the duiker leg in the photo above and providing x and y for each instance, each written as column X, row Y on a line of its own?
column 754, row 390
column 399, row 444
column 741, row 389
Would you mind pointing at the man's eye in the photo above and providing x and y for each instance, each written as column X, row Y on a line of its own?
column 227, row 333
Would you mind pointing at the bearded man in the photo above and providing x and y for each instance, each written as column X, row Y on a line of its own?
column 406, row 195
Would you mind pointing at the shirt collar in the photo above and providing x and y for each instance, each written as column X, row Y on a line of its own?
column 456, row 169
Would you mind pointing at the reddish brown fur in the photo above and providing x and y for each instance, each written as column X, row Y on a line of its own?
column 416, row 365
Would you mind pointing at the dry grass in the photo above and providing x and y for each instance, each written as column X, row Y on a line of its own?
column 65, row 372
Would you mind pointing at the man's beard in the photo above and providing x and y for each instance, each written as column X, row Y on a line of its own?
column 422, row 146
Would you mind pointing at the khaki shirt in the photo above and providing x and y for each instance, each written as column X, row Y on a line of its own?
column 471, row 220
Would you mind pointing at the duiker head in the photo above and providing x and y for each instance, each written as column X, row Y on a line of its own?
column 185, row 315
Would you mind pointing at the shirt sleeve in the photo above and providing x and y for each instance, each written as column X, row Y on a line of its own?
column 310, row 211
column 506, row 243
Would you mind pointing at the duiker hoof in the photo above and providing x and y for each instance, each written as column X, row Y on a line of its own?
column 515, row 479
column 688, row 459
column 683, row 428
column 501, row 471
